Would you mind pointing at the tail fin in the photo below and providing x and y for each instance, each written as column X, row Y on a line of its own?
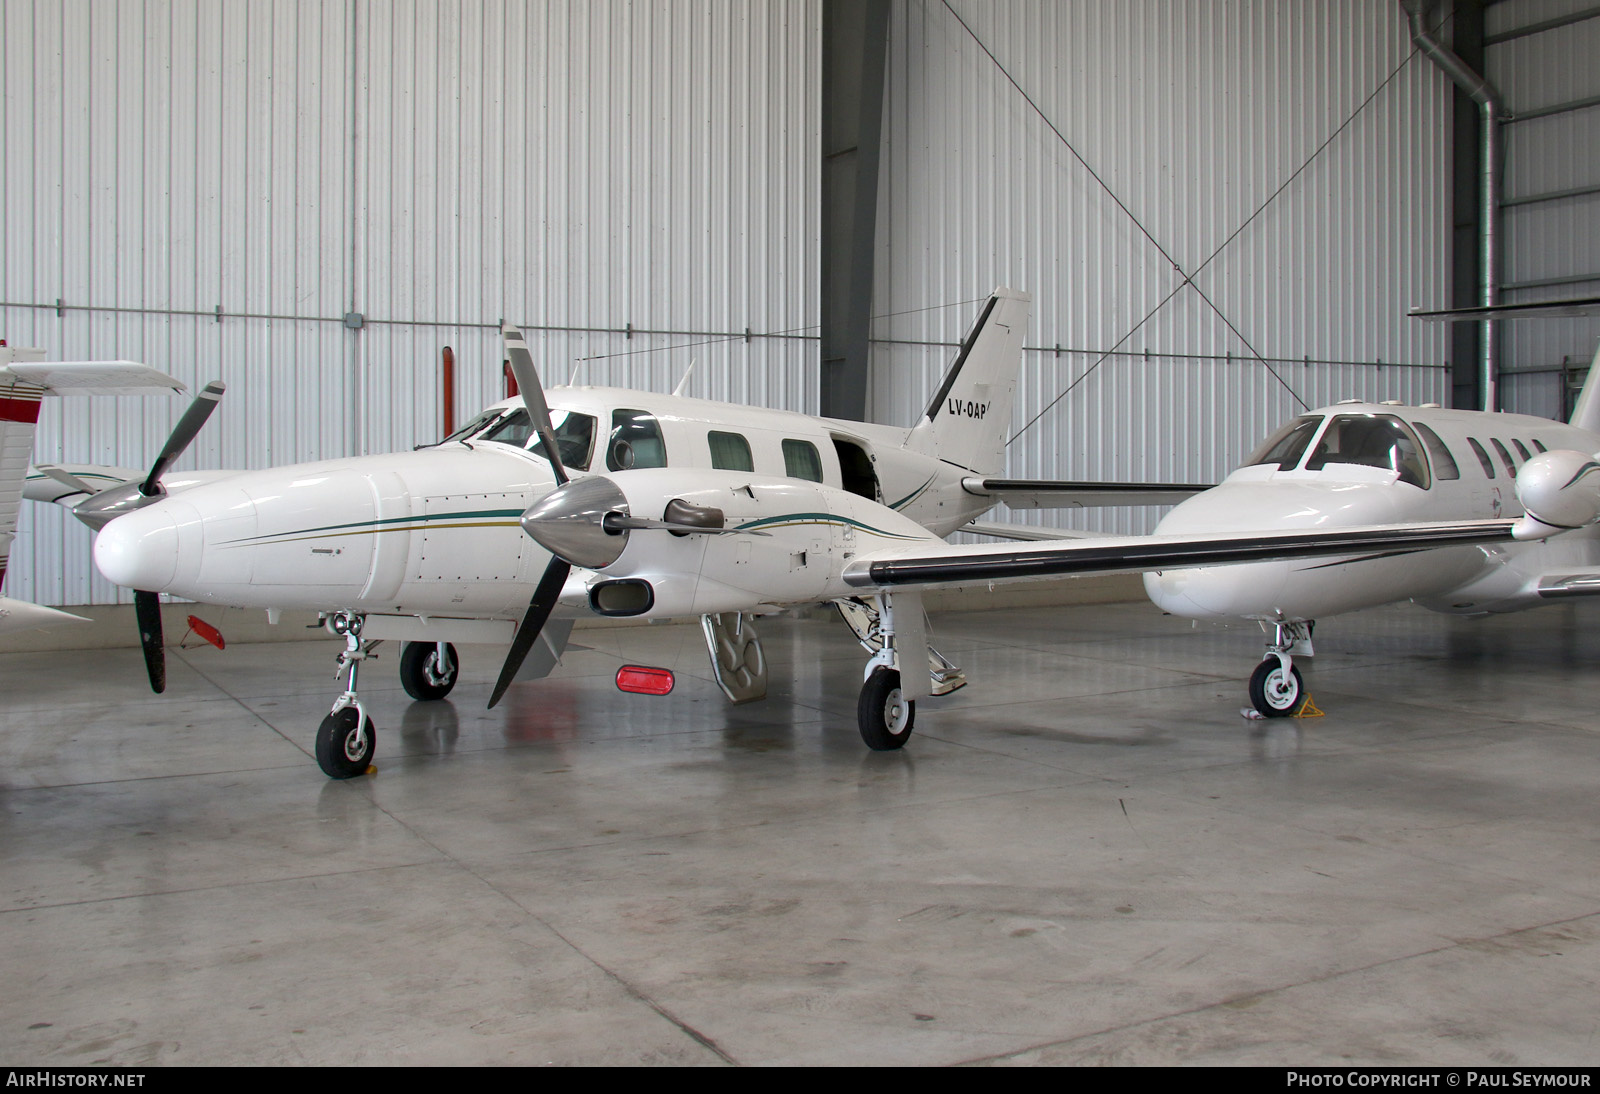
column 967, row 421
column 1586, row 412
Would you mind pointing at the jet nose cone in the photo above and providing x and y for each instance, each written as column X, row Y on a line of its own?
column 140, row 550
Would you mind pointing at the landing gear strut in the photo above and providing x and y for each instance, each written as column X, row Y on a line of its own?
column 346, row 737
column 887, row 708
column 1276, row 689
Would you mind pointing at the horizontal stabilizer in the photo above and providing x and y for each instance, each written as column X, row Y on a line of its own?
column 91, row 377
column 1050, row 494
column 20, row 615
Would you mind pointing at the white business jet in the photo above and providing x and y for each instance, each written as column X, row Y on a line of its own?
column 622, row 503
column 1372, row 463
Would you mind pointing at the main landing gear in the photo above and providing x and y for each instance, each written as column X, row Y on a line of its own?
column 345, row 739
column 1276, row 689
column 886, row 711
column 428, row 670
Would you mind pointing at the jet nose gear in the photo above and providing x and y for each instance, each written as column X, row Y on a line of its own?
column 1276, row 689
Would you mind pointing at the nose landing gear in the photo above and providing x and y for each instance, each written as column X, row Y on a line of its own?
column 346, row 737
column 1276, row 689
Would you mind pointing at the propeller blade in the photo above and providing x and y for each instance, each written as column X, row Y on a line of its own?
column 183, row 433
column 532, row 393
column 539, row 609
column 147, row 610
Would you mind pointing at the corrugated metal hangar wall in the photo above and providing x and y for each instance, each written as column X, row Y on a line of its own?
column 309, row 200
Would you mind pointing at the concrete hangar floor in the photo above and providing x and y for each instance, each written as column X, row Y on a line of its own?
column 1086, row 856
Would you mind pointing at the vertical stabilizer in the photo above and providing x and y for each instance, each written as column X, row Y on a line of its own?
column 1586, row 414
column 968, row 419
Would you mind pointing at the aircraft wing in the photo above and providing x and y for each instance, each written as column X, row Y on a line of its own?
column 1052, row 494
column 952, row 564
column 69, row 483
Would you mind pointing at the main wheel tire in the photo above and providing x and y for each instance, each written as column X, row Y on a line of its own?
column 1275, row 693
column 419, row 670
column 338, row 754
column 882, row 714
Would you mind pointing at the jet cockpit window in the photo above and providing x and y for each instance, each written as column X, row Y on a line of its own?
column 1371, row 440
column 635, row 441
column 574, row 435
column 1287, row 445
column 1444, row 464
column 473, row 426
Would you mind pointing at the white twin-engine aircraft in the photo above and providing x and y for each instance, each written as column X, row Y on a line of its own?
column 624, row 503
column 1373, row 463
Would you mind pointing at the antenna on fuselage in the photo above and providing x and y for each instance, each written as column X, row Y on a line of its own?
column 683, row 384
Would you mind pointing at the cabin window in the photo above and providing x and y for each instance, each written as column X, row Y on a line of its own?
column 1522, row 450
column 1371, row 440
column 574, row 435
column 635, row 441
column 1285, row 447
column 1444, row 464
column 730, row 451
column 800, row 461
column 1539, row 445
column 1483, row 457
column 1505, row 457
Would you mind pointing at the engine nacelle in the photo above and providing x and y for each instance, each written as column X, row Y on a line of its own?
column 670, row 542
column 1559, row 491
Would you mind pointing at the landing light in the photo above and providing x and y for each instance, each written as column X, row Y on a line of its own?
column 645, row 681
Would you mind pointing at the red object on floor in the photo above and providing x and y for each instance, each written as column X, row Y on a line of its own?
column 645, row 681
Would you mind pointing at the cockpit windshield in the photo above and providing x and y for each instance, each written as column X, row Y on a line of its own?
column 1285, row 447
column 574, row 435
column 1371, row 440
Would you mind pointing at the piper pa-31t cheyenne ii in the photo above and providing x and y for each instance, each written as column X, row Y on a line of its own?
column 1373, row 463
column 622, row 503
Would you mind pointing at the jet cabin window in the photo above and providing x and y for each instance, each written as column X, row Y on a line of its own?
column 1505, row 457
column 574, row 435
column 1444, row 464
column 1371, row 440
column 1483, row 457
column 730, row 451
column 1287, row 445
column 635, row 441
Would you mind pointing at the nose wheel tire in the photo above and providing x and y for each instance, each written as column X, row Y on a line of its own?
column 341, row 752
column 421, row 674
column 882, row 714
column 1275, row 693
